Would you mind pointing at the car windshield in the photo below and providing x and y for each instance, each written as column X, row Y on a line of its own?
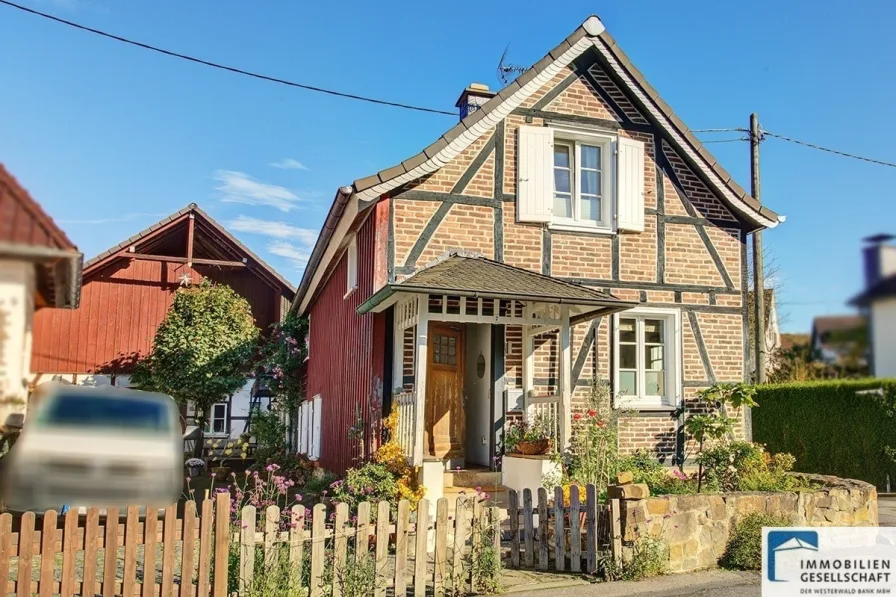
column 105, row 412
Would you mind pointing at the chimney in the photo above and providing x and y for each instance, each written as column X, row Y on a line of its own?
column 472, row 98
column 880, row 258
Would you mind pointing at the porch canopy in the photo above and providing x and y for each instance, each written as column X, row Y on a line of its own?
column 468, row 288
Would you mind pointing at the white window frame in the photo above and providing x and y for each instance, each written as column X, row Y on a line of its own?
column 209, row 431
column 672, row 349
column 351, row 266
column 607, row 142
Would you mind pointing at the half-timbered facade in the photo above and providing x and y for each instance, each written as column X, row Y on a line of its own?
column 127, row 291
column 571, row 227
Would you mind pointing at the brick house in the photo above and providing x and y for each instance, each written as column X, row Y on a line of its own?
column 569, row 227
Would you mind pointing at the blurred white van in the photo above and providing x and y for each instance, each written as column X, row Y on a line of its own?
column 87, row 446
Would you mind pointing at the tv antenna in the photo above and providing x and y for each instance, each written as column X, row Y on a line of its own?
column 508, row 72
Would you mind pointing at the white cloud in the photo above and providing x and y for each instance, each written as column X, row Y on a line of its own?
column 239, row 187
column 289, row 164
column 290, row 242
column 112, row 220
column 298, row 255
column 280, row 230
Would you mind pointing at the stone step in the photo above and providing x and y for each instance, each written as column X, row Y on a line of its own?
column 471, row 478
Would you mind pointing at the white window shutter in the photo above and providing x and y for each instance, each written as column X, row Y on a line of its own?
column 315, row 449
column 535, row 174
column 629, row 185
column 301, row 427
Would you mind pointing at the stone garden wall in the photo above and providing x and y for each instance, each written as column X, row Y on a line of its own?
column 696, row 527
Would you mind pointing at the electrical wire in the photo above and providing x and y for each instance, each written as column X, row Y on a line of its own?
column 829, row 150
column 719, row 131
column 725, row 140
column 223, row 66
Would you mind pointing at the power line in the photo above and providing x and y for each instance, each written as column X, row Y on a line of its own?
column 829, row 150
column 223, row 66
column 725, row 140
column 719, row 131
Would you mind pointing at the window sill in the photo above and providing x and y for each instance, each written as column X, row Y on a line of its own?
column 581, row 229
column 349, row 292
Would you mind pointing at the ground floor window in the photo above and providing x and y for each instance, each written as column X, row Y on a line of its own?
column 217, row 420
column 647, row 356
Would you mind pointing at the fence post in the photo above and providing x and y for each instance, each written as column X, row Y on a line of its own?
column 5, row 536
column 296, row 535
column 169, row 530
column 528, row 529
column 26, row 554
column 318, row 549
column 559, row 531
column 440, row 554
column 542, row 528
column 48, row 554
column 575, row 530
column 514, row 512
column 340, row 547
column 420, row 554
column 591, row 528
column 460, row 540
column 382, row 546
column 247, row 548
column 401, row 547
column 110, row 556
column 205, row 547
column 616, row 530
column 362, row 535
column 222, row 545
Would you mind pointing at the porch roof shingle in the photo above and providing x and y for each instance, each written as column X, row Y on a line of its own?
column 469, row 275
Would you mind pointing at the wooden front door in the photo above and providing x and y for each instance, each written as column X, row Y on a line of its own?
column 444, row 433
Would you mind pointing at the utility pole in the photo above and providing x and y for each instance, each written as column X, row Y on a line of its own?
column 758, row 281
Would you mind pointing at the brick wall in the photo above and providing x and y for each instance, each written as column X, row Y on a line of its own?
column 689, row 279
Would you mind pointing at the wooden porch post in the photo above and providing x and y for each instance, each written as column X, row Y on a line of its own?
column 420, row 374
column 565, row 378
column 528, row 363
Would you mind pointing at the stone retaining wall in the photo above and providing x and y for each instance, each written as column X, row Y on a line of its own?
column 696, row 527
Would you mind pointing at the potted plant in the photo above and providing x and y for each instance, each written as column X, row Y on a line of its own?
column 194, row 467
column 530, row 439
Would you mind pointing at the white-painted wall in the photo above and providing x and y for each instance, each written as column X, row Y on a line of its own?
column 16, row 316
column 883, row 337
column 478, row 396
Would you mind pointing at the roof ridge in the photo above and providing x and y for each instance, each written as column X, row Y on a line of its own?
column 31, row 205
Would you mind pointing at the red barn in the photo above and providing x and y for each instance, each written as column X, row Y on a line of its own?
column 127, row 291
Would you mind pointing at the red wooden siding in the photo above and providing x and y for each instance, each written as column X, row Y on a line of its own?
column 122, row 304
column 22, row 221
column 342, row 367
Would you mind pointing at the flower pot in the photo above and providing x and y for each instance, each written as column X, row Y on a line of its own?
column 221, row 472
column 534, row 448
column 194, row 471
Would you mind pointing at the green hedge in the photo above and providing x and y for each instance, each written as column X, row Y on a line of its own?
column 829, row 428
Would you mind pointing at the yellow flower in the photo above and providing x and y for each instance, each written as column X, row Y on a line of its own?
column 228, row 451
column 244, row 455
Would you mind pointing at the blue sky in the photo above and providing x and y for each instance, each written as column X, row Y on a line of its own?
column 109, row 138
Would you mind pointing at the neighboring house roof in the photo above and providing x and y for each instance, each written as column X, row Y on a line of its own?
column 591, row 36
column 212, row 241
column 789, row 341
column 464, row 274
column 28, row 233
column 885, row 288
column 823, row 327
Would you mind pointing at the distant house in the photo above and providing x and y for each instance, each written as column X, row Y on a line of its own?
column 772, row 329
column 40, row 272
column 127, row 292
column 877, row 303
column 834, row 338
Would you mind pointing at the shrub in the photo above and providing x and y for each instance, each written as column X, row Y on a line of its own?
column 744, row 549
column 645, row 468
column 370, row 482
column 829, row 428
column 650, row 557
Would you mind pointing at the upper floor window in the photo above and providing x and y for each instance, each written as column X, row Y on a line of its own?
column 579, row 178
column 351, row 258
column 217, row 420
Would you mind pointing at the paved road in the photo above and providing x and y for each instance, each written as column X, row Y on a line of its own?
column 712, row 583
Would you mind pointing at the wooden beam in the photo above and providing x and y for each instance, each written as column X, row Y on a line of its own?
column 190, row 228
column 166, row 258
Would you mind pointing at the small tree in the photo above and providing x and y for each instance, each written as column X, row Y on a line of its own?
column 716, row 424
column 203, row 349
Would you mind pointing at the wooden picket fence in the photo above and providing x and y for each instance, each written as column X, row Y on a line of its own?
column 88, row 557
column 407, row 550
column 551, row 535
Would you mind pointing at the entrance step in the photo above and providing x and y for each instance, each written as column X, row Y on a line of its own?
column 472, row 478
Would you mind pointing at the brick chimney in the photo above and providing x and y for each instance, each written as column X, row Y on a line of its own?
column 472, row 98
column 880, row 258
